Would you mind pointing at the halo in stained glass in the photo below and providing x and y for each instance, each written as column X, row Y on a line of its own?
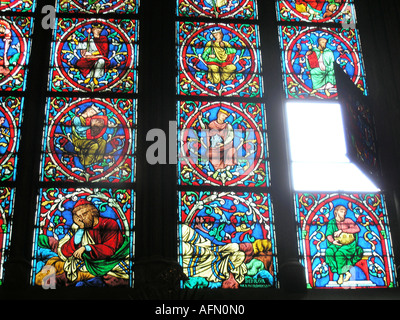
column 308, row 58
column 109, row 242
column 7, row 197
column 11, row 109
column 18, row 5
column 89, row 140
column 15, row 46
column 227, row 240
column 97, row 6
column 320, row 11
column 236, row 9
column 222, row 144
column 94, row 55
column 208, row 68
column 344, row 240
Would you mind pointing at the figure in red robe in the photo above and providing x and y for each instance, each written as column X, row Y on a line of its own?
column 94, row 51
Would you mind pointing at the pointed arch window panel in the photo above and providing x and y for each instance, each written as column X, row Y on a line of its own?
column 97, row 6
column 222, row 144
column 218, row 60
column 15, row 46
column 84, row 237
column 227, row 240
column 7, row 198
column 89, row 140
column 11, row 114
column 309, row 55
column 316, row 11
column 344, row 240
column 18, row 5
column 94, row 55
column 233, row 9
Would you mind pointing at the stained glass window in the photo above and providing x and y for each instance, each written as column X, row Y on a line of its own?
column 93, row 55
column 15, row 45
column 97, row 6
column 218, row 60
column 238, row 9
column 105, row 258
column 18, row 5
column 227, row 240
column 305, row 74
column 89, row 140
column 7, row 197
column 239, row 160
column 11, row 109
column 316, row 11
column 344, row 240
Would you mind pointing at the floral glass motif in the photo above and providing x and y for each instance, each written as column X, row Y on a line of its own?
column 94, row 55
column 308, row 58
column 89, row 140
column 237, row 9
column 361, row 256
column 15, row 46
column 11, row 109
column 222, row 144
column 6, row 212
column 105, row 237
column 98, row 6
column 18, row 5
column 317, row 11
column 226, row 240
column 218, row 60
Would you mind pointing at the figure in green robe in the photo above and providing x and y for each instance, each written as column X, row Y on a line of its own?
column 343, row 250
column 320, row 61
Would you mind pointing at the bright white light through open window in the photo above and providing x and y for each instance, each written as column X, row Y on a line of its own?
column 318, row 150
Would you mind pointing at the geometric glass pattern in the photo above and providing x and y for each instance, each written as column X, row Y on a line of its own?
column 344, row 240
column 84, row 237
column 10, row 121
column 87, row 139
column 226, row 240
column 18, row 5
column 320, row 11
column 15, row 46
column 308, row 58
column 216, row 59
column 234, row 9
column 222, row 144
column 6, row 213
column 93, row 55
column 97, row 6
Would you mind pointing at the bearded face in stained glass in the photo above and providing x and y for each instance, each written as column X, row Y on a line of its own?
column 98, row 221
column 94, row 55
column 222, row 144
column 227, row 240
column 338, row 11
column 219, row 60
column 89, row 140
column 344, row 240
column 10, row 121
column 308, row 58
column 238, row 9
column 98, row 6
column 15, row 43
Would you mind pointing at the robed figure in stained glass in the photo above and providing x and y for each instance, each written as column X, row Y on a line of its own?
column 93, row 247
column 320, row 60
column 5, row 35
column 220, row 135
column 343, row 250
column 219, row 56
column 94, row 54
